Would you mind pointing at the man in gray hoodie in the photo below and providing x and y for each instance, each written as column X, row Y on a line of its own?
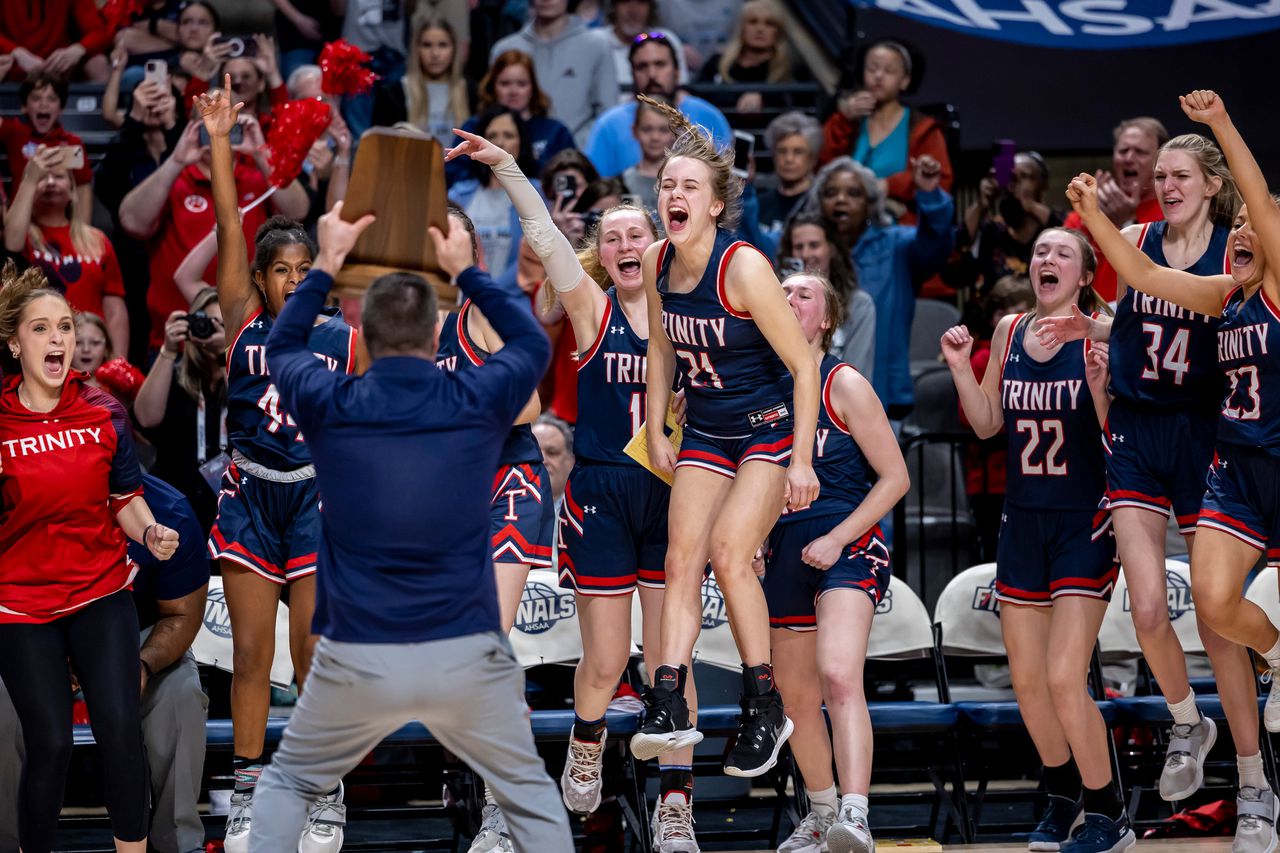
column 575, row 67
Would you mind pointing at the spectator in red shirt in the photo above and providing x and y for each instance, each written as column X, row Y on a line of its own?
column 173, row 211
column 1126, row 194
column 55, row 36
column 42, row 223
column 71, row 491
column 43, row 96
column 255, row 79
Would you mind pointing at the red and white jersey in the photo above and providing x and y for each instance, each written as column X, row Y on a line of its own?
column 66, row 473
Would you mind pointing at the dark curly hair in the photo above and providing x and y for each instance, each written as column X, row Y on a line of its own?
column 274, row 234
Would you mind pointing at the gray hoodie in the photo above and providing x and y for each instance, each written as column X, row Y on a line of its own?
column 575, row 69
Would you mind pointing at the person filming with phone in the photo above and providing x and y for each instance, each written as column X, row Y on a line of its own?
column 180, row 407
column 45, row 225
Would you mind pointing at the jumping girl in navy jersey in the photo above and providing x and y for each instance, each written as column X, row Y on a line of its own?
column 70, row 492
column 1168, row 390
column 719, row 317
column 268, row 526
column 1240, row 514
column 613, row 524
column 1055, row 561
column 827, row 567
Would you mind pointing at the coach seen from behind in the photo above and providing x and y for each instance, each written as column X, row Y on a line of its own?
column 405, row 581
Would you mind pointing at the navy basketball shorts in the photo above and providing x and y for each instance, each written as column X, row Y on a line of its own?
column 269, row 527
column 1157, row 460
column 792, row 587
column 613, row 530
column 522, row 516
column 1243, row 498
column 769, row 443
column 1045, row 554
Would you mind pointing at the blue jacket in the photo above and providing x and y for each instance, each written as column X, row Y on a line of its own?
column 612, row 147
column 461, row 194
column 892, row 262
column 405, row 457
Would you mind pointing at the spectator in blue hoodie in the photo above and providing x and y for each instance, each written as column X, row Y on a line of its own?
column 892, row 260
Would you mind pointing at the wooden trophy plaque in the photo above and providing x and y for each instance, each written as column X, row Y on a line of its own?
column 398, row 175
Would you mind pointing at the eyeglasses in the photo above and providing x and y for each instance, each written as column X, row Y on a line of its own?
column 644, row 37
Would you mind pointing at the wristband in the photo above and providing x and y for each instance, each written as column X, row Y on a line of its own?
column 145, row 531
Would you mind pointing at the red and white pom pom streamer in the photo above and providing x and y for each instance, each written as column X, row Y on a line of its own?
column 345, row 70
column 295, row 127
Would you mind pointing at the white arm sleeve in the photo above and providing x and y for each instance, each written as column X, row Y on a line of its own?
column 552, row 247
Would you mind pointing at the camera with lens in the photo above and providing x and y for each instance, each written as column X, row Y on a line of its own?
column 200, row 326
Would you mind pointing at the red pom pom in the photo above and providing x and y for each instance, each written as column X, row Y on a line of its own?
column 344, row 69
column 119, row 14
column 120, row 378
column 295, row 127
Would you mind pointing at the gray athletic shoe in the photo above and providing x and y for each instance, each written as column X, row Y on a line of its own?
column 1183, row 772
column 493, row 836
column 580, row 784
column 850, row 833
column 810, row 836
column 239, row 819
column 1255, row 821
column 672, row 825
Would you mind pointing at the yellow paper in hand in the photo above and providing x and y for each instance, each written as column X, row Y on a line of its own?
column 638, row 447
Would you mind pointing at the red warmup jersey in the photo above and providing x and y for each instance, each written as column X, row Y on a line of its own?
column 87, row 280
column 20, row 142
column 66, row 473
column 187, row 219
column 1104, row 281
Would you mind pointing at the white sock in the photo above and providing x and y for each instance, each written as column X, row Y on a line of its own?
column 1272, row 655
column 1251, row 775
column 824, row 801
column 1185, row 712
column 857, row 801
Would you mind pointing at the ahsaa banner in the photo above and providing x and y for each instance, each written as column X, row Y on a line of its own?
column 1093, row 24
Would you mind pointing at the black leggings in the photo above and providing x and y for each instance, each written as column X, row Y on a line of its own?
column 102, row 642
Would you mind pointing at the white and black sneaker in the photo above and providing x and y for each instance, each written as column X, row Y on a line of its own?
column 581, row 782
column 326, row 824
column 666, row 726
column 762, row 730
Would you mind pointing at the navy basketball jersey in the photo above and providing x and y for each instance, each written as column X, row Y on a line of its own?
column 1162, row 354
column 1251, row 409
column 1055, row 443
column 611, row 391
column 843, row 472
column 735, row 383
column 257, row 424
column 457, row 351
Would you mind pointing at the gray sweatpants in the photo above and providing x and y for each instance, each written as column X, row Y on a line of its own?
column 469, row 691
column 174, row 710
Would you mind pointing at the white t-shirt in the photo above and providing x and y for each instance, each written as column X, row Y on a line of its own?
column 490, row 210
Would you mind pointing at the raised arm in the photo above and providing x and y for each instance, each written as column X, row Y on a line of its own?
column 189, row 277
column 141, row 209
column 1204, row 105
column 1204, row 294
column 752, row 286
column 856, row 403
column 17, row 219
column 237, row 296
column 661, row 370
column 581, row 298
column 980, row 403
